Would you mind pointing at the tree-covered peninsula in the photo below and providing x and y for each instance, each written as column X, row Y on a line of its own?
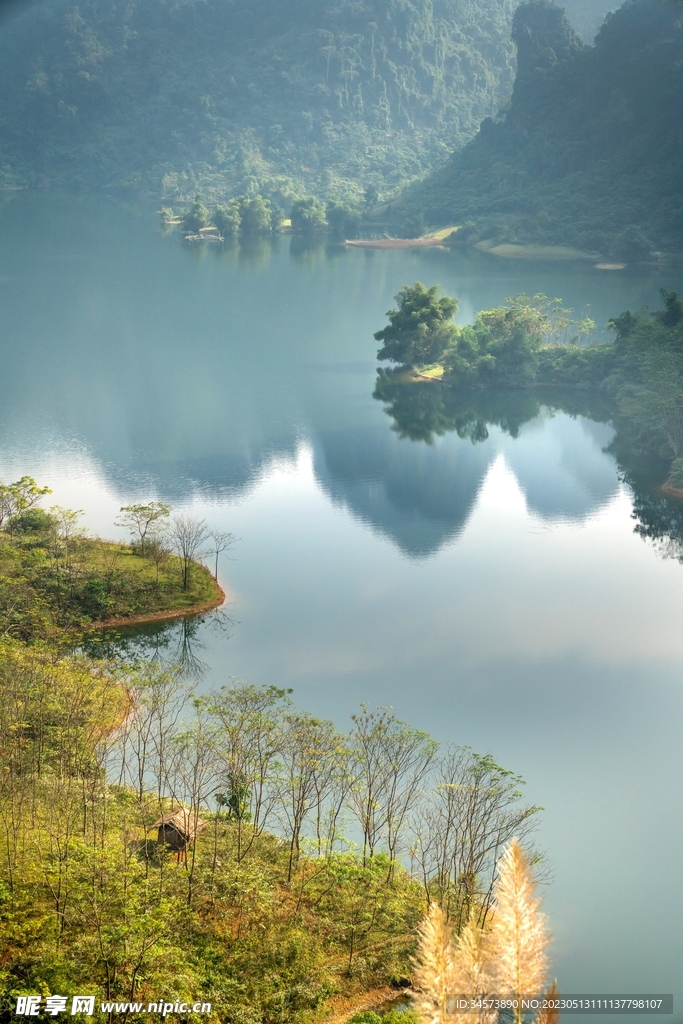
column 531, row 342
column 56, row 580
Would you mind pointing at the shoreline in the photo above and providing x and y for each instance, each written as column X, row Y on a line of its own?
column 165, row 615
column 671, row 492
column 393, row 243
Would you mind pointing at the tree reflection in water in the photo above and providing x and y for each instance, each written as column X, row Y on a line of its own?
column 177, row 644
column 425, row 410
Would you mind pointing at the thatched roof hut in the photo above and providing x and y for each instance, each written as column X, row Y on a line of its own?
column 178, row 829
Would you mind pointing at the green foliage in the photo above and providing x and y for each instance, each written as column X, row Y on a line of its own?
column 413, row 227
column 631, row 245
column 254, row 213
column 676, row 474
column 18, row 498
column 277, row 216
column 421, row 329
column 587, row 153
column 230, row 97
column 647, row 378
column 197, row 217
column 308, row 215
column 529, row 340
column 672, row 314
column 400, row 1016
column 34, row 520
column 144, row 521
column 342, row 219
column 227, row 219
column 574, row 366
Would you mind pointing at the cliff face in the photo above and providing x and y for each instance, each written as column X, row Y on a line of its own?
column 547, row 47
column 589, row 150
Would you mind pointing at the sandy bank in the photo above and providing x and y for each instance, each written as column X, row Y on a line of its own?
column 394, row 243
column 533, row 252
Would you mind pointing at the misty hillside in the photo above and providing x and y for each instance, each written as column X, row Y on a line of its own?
column 590, row 149
column 170, row 98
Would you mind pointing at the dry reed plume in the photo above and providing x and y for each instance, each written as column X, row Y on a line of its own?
column 472, row 969
column 508, row 960
column 518, row 937
column 434, row 974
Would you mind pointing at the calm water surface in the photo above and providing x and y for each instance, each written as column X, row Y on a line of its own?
column 494, row 593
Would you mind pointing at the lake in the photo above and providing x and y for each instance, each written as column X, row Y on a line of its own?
column 495, row 594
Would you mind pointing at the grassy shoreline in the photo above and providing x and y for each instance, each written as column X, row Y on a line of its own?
column 48, row 589
column 166, row 614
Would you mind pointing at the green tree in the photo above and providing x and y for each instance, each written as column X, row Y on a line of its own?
column 371, row 196
column 308, row 215
column 631, row 245
column 389, row 760
column 143, row 520
column 421, row 329
column 17, row 498
column 227, row 218
column 672, row 314
column 308, row 755
column 413, row 227
column 343, row 219
column 34, row 520
column 255, row 215
column 277, row 216
column 197, row 217
column 67, row 527
column 247, row 749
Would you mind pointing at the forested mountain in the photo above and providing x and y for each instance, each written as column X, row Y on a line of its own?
column 173, row 97
column 590, row 149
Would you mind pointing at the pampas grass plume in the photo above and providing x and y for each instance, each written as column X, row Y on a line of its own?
column 472, row 970
column 519, row 938
column 434, row 969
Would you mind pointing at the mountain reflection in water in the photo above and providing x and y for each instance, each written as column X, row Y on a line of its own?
column 418, row 483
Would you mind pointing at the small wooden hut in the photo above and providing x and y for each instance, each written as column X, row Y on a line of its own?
column 178, row 829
